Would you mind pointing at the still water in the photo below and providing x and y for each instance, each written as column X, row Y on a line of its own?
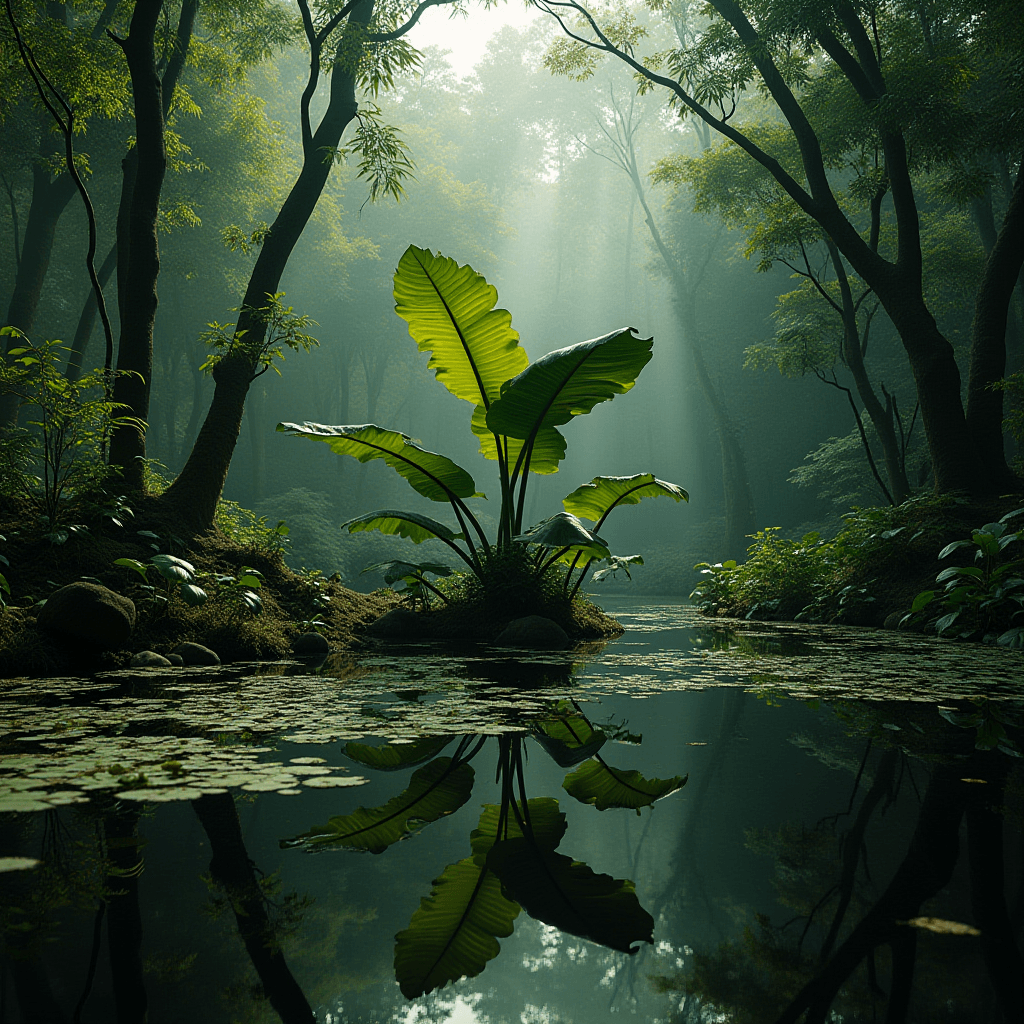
column 694, row 822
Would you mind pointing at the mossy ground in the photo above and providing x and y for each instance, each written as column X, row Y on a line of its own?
column 37, row 568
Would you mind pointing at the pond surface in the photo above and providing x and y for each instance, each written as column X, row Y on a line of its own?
column 698, row 821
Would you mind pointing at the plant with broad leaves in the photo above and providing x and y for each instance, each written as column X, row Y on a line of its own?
column 179, row 579
column 518, row 408
column 69, row 421
column 513, row 864
column 238, row 593
column 411, row 579
column 986, row 598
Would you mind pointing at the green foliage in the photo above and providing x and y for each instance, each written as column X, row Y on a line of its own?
column 178, row 575
column 779, row 575
column 283, row 330
column 597, row 783
column 383, row 158
column 517, row 408
column 411, row 578
column 70, row 423
column 238, row 593
column 434, row 791
column 984, row 597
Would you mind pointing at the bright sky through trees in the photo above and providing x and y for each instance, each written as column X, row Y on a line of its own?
column 467, row 37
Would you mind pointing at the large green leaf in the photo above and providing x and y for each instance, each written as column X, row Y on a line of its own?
column 434, row 476
column 455, row 931
column 564, row 530
column 568, row 737
column 410, row 525
column 547, row 826
column 392, row 757
column 595, row 500
column 450, row 312
column 603, row 786
column 434, row 791
column 568, row 383
column 548, row 448
column 568, row 895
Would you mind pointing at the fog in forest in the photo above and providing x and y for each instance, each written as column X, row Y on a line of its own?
column 544, row 185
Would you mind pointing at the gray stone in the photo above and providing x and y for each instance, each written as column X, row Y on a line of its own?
column 397, row 624
column 175, row 659
column 310, row 645
column 89, row 612
column 196, row 654
column 150, row 659
column 534, row 632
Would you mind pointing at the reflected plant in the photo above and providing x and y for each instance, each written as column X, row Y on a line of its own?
column 517, row 410
column 513, row 863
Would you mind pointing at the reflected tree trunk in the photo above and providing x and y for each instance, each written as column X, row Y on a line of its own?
column 231, row 868
column 124, row 919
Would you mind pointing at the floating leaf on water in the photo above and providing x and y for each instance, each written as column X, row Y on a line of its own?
column 334, row 781
column 307, row 760
column 18, row 863
column 940, row 926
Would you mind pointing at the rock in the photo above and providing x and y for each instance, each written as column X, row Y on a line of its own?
column 87, row 611
column 892, row 620
column 534, row 632
column 310, row 645
column 196, row 654
column 150, row 659
column 397, row 624
column 175, row 659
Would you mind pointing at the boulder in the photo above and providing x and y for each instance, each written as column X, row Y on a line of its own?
column 310, row 645
column 150, row 659
column 89, row 612
column 175, row 659
column 196, row 654
column 534, row 632
column 398, row 624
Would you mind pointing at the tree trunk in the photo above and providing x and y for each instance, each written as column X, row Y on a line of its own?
column 87, row 319
column 137, row 300
column 194, row 494
column 49, row 200
column 231, row 868
column 988, row 345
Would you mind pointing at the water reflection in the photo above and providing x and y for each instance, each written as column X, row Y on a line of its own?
column 828, row 858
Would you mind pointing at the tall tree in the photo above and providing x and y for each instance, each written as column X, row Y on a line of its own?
column 888, row 66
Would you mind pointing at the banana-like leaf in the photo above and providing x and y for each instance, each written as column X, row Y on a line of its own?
column 568, row 737
column 392, row 757
column 450, row 312
column 434, row 791
column 603, row 786
column 455, row 931
column 410, row 525
column 547, row 826
column 595, row 500
column 434, row 476
column 617, row 562
column 568, row 383
column 395, row 569
column 564, row 530
column 548, row 448
column 568, row 895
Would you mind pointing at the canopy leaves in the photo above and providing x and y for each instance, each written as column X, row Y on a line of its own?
column 434, row 476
